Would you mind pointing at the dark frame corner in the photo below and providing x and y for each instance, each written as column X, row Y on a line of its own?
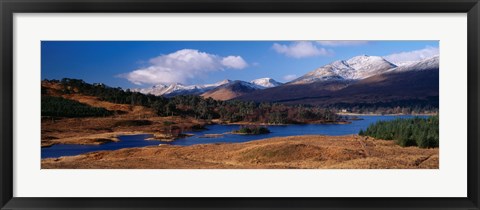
column 9, row 7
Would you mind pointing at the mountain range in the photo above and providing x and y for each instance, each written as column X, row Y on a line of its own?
column 362, row 83
column 361, row 79
column 174, row 89
column 170, row 90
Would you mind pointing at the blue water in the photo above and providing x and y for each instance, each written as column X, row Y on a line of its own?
column 276, row 131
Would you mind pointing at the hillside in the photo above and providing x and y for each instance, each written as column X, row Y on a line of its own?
column 56, row 89
column 231, row 90
column 295, row 92
column 127, row 119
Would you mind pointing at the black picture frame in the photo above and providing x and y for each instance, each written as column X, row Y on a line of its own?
column 9, row 7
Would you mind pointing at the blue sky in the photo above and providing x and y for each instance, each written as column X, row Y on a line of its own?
column 133, row 64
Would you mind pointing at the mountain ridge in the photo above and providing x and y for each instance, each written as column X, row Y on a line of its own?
column 358, row 67
column 400, row 83
column 179, row 89
column 174, row 89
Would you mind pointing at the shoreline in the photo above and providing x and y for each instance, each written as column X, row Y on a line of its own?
column 284, row 124
column 108, row 137
column 360, row 114
column 94, row 139
column 103, row 138
column 97, row 131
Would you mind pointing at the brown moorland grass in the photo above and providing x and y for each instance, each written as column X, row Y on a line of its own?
column 99, row 130
column 294, row 152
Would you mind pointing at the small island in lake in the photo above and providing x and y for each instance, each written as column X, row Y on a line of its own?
column 195, row 107
column 251, row 130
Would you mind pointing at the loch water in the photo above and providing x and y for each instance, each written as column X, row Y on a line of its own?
column 198, row 137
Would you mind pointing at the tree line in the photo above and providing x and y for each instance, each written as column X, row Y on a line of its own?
column 417, row 131
column 406, row 106
column 203, row 108
column 60, row 107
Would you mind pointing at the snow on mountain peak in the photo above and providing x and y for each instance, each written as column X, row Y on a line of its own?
column 367, row 66
column 180, row 89
column 265, row 82
column 226, row 81
column 358, row 67
column 426, row 64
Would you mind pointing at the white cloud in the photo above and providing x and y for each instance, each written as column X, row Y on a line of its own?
column 235, row 62
column 412, row 56
column 290, row 77
column 300, row 49
column 333, row 43
column 182, row 65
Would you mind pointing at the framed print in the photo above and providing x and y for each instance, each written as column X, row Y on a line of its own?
column 239, row 105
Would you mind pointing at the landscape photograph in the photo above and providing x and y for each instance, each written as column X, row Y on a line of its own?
column 299, row 104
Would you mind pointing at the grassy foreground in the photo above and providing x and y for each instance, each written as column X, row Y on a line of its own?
column 302, row 152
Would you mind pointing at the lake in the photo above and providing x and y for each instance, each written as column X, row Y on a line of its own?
column 276, row 131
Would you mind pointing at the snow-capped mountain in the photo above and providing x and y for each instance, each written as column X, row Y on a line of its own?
column 427, row 64
column 266, row 82
column 180, row 89
column 331, row 77
column 362, row 79
column 402, row 63
column 356, row 68
column 175, row 89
